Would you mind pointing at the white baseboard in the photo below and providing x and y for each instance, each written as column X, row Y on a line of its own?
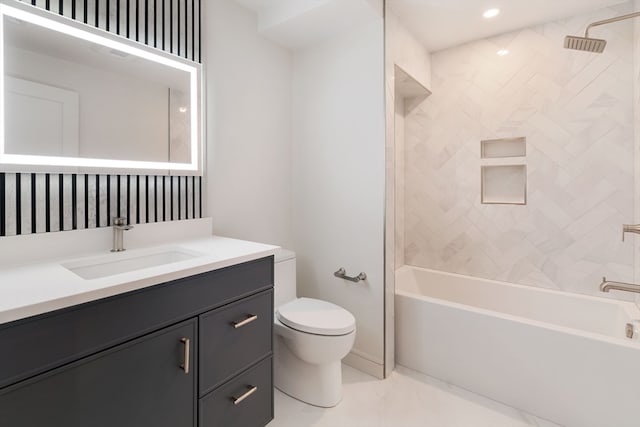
column 365, row 365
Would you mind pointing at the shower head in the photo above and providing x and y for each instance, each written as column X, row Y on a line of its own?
column 588, row 44
column 584, row 44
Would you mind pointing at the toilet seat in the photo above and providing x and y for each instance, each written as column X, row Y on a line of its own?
column 316, row 317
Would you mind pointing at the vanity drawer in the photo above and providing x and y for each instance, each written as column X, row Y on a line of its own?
column 221, row 409
column 234, row 337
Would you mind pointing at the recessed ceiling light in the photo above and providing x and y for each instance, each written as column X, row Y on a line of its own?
column 491, row 13
column 503, row 52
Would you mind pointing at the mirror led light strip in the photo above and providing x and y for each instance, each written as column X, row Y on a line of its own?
column 41, row 21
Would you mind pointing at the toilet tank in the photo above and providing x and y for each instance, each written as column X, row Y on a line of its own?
column 284, row 276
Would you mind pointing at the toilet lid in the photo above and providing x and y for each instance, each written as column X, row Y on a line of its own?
column 316, row 317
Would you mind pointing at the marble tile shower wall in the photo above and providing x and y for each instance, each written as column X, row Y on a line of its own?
column 576, row 111
column 40, row 203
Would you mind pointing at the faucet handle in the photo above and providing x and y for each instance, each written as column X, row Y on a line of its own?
column 119, row 221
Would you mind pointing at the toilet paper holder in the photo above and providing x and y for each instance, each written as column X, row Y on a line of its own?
column 342, row 273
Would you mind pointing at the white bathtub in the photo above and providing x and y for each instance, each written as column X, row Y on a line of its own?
column 560, row 356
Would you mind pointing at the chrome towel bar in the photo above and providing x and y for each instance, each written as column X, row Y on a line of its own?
column 342, row 273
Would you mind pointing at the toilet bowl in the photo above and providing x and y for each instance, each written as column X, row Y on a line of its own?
column 311, row 338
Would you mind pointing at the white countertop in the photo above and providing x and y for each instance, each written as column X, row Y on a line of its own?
column 34, row 288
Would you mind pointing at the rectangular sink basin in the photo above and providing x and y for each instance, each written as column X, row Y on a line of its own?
column 105, row 266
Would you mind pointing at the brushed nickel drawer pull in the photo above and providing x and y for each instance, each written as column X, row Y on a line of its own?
column 237, row 400
column 187, row 350
column 250, row 318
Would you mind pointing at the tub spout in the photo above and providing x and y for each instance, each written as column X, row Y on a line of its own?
column 630, row 228
column 606, row 286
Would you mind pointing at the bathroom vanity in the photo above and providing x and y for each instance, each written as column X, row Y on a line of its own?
column 194, row 351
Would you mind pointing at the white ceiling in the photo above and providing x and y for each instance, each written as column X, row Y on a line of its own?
column 297, row 23
column 269, row 9
column 440, row 24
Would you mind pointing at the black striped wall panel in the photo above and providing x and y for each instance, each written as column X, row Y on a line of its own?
column 173, row 26
column 40, row 203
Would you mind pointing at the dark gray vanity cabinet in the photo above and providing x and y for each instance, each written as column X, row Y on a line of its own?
column 192, row 352
column 133, row 384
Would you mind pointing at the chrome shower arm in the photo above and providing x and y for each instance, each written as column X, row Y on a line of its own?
column 609, row 21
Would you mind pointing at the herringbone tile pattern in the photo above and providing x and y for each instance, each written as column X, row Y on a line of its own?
column 576, row 111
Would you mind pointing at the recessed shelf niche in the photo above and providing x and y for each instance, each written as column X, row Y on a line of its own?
column 504, row 184
column 505, row 147
column 409, row 89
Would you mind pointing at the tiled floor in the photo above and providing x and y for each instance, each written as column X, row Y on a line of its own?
column 406, row 399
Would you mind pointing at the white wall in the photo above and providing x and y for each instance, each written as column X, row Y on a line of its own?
column 338, row 178
column 248, row 127
column 296, row 157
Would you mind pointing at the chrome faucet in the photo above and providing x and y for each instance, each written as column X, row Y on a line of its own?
column 119, row 227
column 606, row 286
column 630, row 228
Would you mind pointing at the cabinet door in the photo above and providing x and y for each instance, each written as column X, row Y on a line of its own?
column 146, row 382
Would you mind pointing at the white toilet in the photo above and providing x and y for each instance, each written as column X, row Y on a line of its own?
column 311, row 338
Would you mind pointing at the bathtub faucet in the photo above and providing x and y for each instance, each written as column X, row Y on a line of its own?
column 630, row 228
column 606, row 286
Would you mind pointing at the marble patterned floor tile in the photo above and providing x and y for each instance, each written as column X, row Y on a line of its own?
column 406, row 399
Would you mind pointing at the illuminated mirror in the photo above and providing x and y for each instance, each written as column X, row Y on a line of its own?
column 78, row 97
